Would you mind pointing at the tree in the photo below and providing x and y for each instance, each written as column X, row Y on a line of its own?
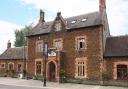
column 20, row 35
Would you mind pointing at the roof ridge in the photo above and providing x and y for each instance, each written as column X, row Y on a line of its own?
column 118, row 36
column 74, row 16
column 82, row 14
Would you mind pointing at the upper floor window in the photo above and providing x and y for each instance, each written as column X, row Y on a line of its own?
column 58, row 44
column 81, row 42
column 39, row 46
column 58, row 26
column 2, row 65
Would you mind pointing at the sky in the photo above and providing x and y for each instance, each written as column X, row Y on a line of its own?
column 15, row 14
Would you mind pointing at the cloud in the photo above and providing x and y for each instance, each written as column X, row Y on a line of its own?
column 68, row 7
column 7, row 33
column 116, row 9
column 117, row 14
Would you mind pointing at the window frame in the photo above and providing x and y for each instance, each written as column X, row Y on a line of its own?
column 18, row 67
column 36, row 72
column 81, row 69
column 78, row 41
column 39, row 45
column 2, row 64
column 59, row 40
column 58, row 26
column 115, row 68
column 10, row 63
column 120, row 69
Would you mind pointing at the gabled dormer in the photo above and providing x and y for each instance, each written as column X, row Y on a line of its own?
column 59, row 24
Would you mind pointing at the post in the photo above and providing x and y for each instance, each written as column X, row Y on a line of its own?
column 45, row 52
column 24, row 69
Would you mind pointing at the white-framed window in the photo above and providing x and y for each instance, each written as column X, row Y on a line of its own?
column 19, row 67
column 58, row 44
column 80, row 42
column 2, row 65
column 81, row 68
column 39, row 46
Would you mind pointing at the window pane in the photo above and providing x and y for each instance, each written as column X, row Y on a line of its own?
column 38, row 67
column 81, row 43
column 122, row 72
column 58, row 44
column 19, row 67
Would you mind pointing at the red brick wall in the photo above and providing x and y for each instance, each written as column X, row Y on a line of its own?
column 93, row 51
column 3, row 70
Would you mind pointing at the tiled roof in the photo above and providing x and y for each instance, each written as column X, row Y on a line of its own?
column 116, row 46
column 13, row 53
column 92, row 19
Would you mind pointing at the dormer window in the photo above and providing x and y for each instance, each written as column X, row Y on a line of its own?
column 74, row 21
column 84, row 19
column 58, row 26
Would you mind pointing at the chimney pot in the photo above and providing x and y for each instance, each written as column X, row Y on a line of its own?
column 9, row 44
column 58, row 13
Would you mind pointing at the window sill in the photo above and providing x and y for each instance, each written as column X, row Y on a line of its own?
column 80, row 77
column 81, row 49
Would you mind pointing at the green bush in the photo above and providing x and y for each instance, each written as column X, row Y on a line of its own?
column 36, row 77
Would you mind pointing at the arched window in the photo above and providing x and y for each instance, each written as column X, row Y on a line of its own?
column 122, row 72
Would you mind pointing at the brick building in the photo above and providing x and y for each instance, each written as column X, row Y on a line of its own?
column 78, row 43
column 12, row 61
column 79, row 48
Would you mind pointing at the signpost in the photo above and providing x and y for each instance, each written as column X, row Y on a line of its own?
column 45, row 52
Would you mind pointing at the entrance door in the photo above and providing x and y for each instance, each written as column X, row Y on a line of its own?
column 52, row 72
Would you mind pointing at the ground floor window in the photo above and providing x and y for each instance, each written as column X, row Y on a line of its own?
column 122, row 72
column 2, row 65
column 19, row 68
column 11, row 66
column 81, row 68
column 38, row 67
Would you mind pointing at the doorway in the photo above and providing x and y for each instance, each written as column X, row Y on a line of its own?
column 52, row 71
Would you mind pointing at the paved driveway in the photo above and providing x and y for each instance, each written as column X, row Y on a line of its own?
column 51, row 85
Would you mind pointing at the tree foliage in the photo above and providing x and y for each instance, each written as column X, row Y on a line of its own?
column 20, row 35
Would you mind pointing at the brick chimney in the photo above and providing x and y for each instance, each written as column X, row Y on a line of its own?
column 102, row 8
column 8, row 44
column 102, row 5
column 58, row 14
column 41, row 20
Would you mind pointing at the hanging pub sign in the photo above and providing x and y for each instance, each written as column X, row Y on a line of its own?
column 52, row 52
